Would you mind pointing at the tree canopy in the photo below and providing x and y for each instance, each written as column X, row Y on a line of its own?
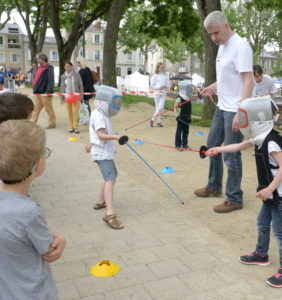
column 256, row 25
column 6, row 9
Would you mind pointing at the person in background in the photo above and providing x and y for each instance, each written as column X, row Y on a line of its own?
column 159, row 83
column 32, row 72
column 43, row 83
column 71, row 83
column 2, row 79
column 87, row 80
column 264, row 84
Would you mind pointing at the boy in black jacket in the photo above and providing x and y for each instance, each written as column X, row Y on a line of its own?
column 183, row 115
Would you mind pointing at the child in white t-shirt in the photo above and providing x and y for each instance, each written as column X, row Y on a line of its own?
column 102, row 148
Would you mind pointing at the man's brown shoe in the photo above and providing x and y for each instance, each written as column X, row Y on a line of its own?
column 205, row 192
column 227, row 206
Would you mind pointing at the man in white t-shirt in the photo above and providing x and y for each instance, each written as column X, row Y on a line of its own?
column 264, row 84
column 235, row 82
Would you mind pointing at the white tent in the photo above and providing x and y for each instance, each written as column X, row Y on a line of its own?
column 135, row 82
column 197, row 80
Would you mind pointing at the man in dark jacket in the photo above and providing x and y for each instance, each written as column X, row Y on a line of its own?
column 43, row 83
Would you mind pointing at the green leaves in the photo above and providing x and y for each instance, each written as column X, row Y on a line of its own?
column 163, row 18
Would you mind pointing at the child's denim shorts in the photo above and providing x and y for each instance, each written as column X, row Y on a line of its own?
column 108, row 169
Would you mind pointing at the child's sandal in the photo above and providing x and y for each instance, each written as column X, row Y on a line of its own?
column 113, row 222
column 99, row 205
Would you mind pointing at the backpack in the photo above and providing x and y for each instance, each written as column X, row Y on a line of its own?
column 95, row 77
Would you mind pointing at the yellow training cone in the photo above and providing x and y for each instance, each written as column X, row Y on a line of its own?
column 72, row 139
column 105, row 268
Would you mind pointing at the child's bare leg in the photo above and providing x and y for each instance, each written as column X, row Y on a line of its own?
column 101, row 198
column 110, row 217
column 109, row 196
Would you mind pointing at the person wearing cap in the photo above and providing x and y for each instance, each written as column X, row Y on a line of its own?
column 43, row 83
column 256, row 121
column 235, row 82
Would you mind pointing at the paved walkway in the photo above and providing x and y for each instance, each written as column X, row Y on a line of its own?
column 166, row 250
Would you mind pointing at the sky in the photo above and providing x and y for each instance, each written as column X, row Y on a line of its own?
column 16, row 17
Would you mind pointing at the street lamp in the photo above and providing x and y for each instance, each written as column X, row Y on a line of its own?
column 83, row 16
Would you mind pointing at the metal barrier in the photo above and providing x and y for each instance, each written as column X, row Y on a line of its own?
column 10, row 84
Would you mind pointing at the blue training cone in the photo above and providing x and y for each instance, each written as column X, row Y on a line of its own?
column 167, row 170
column 199, row 134
column 138, row 142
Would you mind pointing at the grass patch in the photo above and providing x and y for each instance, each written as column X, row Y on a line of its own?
column 127, row 100
column 57, row 89
column 203, row 123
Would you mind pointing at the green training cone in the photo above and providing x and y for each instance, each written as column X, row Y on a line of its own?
column 105, row 268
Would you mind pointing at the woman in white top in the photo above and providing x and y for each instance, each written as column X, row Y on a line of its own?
column 159, row 83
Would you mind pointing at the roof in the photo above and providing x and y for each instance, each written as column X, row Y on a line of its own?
column 266, row 54
column 48, row 40
column 11, row 29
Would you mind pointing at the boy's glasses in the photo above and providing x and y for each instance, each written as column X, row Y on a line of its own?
column 47, row 152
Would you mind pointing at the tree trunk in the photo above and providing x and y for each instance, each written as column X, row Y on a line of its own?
column 145, row 53
column 205, row 7
column 66, row 47
column 110, row 45
column 37, row 37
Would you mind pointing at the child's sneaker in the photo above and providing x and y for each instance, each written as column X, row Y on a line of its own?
column 254, row 259
column 276, row 279
column 159, row 124
column 151, row 123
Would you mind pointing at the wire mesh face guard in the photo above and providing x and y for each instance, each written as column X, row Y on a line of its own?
column 256, row 116
column 115, row 105
column 185, row 89
column 108, row 100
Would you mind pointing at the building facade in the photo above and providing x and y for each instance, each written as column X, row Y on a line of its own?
column 190, row 66
column 94, row 46
column 12, row 48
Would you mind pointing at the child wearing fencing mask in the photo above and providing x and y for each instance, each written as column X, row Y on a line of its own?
column 182, row 114
column 256, row 118
column 102, row 148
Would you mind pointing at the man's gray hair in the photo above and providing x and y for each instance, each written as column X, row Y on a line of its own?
column 42, row 56
column 215, row 17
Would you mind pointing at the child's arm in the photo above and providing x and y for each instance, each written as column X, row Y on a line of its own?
column 266, row 192
column 88, row 148
column 175, row 109
column 103, row 136
column 177, row 102
column 229, row 148
column 56, row 249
